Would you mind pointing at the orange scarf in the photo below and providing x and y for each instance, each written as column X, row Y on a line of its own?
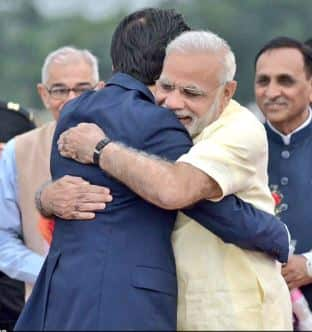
column 46, row 228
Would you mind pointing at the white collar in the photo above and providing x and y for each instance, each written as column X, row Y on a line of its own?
column 286, row 138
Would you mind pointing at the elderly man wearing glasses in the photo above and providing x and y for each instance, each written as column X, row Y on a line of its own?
column 25, row 164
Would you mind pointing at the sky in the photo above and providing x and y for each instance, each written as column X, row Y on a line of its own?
column 92, row 9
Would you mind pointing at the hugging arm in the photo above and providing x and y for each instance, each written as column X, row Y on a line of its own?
column 176, row 185
column 238, row 222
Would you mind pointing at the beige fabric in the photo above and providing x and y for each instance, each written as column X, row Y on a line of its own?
column 32, row 151
column 223, row 287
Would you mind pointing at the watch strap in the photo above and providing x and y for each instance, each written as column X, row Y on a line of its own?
column 98, row 148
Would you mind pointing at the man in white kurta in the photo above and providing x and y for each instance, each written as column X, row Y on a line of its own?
column 220, row 285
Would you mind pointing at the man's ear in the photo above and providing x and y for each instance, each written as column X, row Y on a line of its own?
column 228, row 92
column 310, row 90
column 100, row 85
column 44, row 95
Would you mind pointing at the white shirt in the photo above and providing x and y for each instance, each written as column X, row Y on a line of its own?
column 286, row 138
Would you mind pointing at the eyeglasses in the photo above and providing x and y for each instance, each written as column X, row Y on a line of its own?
column 62, row 92
column 166, row 86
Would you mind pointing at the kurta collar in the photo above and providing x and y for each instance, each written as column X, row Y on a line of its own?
column 128, row 82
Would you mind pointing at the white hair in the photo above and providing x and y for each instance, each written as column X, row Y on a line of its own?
column 206, row 41
column 66, row 55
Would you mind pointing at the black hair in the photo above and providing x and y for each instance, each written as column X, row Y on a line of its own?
column 309, row 42
column 139, row 42
column 14, row 120
column 287, row 42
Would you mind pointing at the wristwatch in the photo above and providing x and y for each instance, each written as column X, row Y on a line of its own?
column 98, row 148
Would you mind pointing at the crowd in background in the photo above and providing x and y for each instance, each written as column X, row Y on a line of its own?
column 30, row 204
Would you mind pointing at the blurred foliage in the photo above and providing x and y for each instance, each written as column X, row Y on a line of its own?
column 27, row 37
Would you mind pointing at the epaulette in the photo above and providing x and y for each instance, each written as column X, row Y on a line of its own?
column 10, row 106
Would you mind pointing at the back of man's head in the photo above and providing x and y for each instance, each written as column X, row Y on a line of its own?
column 139, row 42
column 287, row 42
column 14, row 120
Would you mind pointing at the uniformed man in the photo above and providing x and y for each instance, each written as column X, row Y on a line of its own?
column 14, row 120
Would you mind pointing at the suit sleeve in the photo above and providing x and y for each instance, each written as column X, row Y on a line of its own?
column 238, row 222
column 165, row 136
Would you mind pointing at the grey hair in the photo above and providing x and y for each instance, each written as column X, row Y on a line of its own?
column 65, row 55
column 206, row 41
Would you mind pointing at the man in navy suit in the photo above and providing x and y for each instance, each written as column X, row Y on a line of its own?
column 117, row 272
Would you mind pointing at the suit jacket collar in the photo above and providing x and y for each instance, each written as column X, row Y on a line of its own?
column 128, row 82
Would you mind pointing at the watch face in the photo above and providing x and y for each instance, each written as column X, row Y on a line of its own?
column 98, row 148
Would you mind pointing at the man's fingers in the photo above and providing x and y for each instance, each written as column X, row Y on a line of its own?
column 64, row 153
column 74, row 180
column 93, row 198
column 87, row 188
column 99, row 189
column 61, row 138
column 84, row 124
column 291, row 285
column 91, row 207
column 288, row 278
column 284, row 273
column 77, row 215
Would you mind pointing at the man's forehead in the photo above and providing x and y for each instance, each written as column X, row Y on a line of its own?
column 70, row 73
column 280, row 61
column 172, row 79
column 191, row 68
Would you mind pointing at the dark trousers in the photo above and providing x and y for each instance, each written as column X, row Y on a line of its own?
column 11, row 301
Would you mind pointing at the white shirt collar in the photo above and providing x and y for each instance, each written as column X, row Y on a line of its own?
column 286, row 138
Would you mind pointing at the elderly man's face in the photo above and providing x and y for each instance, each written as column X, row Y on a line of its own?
column 282, row 89
column 73, row 75
column 190, row 86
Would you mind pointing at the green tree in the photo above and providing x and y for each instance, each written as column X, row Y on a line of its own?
column 27, row 37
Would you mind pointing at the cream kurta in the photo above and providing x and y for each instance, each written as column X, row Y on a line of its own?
column 223, row 287
column 32, row 152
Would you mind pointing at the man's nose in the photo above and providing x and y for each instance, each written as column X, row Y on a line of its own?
column 273, row 90
column 71, row 95
column 174, row 100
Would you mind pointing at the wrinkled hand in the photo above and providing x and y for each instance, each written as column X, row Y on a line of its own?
column 295, row 272
column 74, row 198
column 78, row 143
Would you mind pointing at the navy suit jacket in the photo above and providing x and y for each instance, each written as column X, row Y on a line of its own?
column 117, row 272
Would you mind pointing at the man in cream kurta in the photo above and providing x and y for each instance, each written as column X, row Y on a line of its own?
column 220, row 285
